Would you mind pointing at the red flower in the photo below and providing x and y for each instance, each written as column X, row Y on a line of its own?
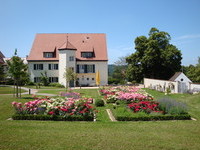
column 51, row 113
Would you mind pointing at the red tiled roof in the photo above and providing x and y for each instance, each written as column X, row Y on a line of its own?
column 83, row 42
column 67, row 46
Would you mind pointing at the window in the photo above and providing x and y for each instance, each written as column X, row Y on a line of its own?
column 87, row 78
column 93, row 79
column 87, row 54
column 71, row 58
column 37, row 79
column 38, row 66
column 48, row 55
column 53, row 79
column 85, row 68
column 53, row 66
column 90, row 69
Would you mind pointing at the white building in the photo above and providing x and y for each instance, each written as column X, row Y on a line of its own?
column 178, row 83
column 86, row 54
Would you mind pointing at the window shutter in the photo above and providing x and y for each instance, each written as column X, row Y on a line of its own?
column 85, row 69
column 93, row 68
column 77, row 68
column 49, row 66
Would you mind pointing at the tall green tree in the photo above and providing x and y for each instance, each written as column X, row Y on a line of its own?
column 70, row 75
column 193, row 72
column 17, row 70
column 2, row 74
column 154, row 58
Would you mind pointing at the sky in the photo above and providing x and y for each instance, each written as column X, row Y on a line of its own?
column 121, row 20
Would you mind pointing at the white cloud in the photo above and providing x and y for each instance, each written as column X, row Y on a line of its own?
column 192, row 36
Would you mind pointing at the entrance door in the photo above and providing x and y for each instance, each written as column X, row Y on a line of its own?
column 182, row 88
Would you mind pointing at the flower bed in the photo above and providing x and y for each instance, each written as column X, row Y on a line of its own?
column 125, row 93
column 134, row 104
column 55, row 109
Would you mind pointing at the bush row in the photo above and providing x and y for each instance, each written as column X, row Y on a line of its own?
column 153, row 118
column 52, row 117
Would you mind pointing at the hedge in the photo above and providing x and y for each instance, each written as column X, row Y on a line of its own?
column 153, row 118
column 52, row 117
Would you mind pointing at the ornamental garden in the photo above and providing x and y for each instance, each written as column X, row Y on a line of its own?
column 127, row 103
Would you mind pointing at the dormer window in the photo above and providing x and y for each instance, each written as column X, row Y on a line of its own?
column 87, row 54
column 48, row 54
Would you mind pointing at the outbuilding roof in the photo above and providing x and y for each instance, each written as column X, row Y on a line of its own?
column 173, row 78
column 81, row 42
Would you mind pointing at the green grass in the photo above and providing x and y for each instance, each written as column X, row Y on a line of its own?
column 42, row 87
column 102, row 134
column 51, row 91
column 8, row 90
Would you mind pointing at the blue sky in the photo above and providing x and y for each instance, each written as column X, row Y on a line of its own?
column 121, row 20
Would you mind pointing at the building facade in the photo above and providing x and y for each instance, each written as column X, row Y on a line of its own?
column 85, row 54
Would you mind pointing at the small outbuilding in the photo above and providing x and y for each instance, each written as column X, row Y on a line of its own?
column 183, row 81
column 178, row 83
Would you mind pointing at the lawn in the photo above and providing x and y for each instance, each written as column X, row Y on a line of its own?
column 102, row 134
column 42, row 87
column 8, row 90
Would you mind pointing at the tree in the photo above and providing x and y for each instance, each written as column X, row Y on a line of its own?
column 17, row 70
column 70, row 75
column 193, row 71
column 119, row 71
column 2, row 74
column 44, row 78
column 154, row 58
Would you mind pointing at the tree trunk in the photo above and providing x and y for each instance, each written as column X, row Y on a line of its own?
column 17, row 89
column 14, row 89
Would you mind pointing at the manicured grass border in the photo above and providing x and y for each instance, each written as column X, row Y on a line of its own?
column 52, row 117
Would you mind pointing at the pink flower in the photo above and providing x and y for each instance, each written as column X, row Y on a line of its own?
column 14, row 103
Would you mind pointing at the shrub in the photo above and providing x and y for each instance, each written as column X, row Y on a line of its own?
column 111, row 98
column 57, row 85
column 30, row 83
column 54, row 117
column 153, row 118
column 144, row 106
column 99, row 103
column 124, row 114
column 172, row 107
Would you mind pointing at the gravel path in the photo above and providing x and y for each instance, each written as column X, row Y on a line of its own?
column 112, row 118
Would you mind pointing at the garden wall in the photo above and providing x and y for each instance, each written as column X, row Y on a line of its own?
column 161, row 85
column 195, row 87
